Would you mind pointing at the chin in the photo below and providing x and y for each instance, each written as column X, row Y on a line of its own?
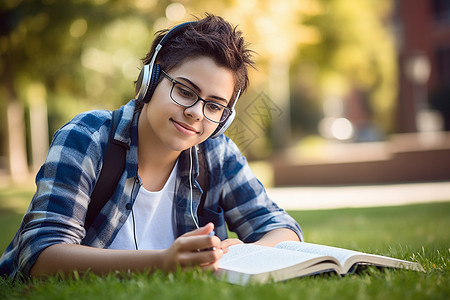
column 182, row 145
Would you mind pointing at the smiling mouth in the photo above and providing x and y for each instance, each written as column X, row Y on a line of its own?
column 184, row 128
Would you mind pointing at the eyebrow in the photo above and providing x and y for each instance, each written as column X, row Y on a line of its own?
column 199, row 90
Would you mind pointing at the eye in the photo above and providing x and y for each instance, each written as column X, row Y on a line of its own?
column 214, row 107
column 185, row 92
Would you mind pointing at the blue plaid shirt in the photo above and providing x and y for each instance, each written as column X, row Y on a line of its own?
column 68, row 176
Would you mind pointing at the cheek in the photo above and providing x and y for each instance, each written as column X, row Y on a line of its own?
column 159, row 106
column 209, row 128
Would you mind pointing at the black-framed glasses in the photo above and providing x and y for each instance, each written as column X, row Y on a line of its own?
column 184, row 96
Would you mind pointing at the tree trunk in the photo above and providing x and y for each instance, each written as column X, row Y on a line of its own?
column 18, row 166
column 15, row 114
column 38, row 124
column 279, row 93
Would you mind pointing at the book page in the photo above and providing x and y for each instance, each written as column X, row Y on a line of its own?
column 254, row 259
column 349, row 258
column 341, row 254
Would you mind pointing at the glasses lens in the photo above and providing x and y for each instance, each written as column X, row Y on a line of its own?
column 183, row 95
column 186, row 97
column 215, row 112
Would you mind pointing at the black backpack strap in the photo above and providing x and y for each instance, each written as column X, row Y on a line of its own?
column 112, row 169
column 212, row 212
column 202, row 179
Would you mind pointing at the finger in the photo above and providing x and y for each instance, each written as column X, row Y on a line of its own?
column 210, row 267
column 196, row 243
column 225, row 244
column 202, row 258
column 205, row 230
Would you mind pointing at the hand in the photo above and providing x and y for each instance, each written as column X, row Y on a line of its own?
column 186, row 251
column 229, row 242
column 276, row 236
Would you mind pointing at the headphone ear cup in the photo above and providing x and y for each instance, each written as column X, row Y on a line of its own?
column 147, row 82
column 154, row 79
column 156, row 72
column 142, row 83
column 223, row 126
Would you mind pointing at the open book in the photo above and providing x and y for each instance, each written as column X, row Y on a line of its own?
column 252, row 263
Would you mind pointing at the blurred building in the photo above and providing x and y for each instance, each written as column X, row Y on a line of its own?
column 423, row 36
column 419, row 149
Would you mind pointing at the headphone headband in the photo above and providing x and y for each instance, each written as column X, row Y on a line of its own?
column 174, row 31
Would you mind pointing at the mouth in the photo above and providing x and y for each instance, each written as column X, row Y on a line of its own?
column 184, row 128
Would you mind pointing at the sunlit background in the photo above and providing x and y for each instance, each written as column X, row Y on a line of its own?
column 345, row 92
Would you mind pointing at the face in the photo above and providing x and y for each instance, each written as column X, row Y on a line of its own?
column 176, row 128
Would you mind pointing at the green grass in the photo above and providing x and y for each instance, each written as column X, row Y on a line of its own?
column 415, row 232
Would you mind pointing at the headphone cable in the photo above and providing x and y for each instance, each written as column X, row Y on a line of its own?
column 190, row 186
column 134, row 230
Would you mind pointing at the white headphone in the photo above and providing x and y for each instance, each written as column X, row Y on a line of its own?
column 150, row 73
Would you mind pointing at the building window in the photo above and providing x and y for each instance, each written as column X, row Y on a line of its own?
column 443, row 65
column 441, row 10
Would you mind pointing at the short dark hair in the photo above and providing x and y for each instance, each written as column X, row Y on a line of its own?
column 213, row 37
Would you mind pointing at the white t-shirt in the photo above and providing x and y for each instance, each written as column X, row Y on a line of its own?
column 153, row 220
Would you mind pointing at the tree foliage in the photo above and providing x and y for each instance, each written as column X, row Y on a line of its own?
column 355, row 51
column 77, row 55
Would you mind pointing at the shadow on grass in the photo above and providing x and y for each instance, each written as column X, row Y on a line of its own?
column 9, row 223
column 13, row 204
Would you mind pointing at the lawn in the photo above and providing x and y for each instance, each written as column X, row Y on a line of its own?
column 416, row 232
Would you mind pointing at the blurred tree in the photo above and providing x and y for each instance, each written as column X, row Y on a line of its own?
column 66, row 54
column 311, row 51
column 355, row 53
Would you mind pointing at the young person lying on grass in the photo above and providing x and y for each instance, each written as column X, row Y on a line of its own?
column 150, row 221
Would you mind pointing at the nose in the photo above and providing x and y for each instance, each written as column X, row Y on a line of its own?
column 195, row 111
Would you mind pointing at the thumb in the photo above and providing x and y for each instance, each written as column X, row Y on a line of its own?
column 201, row 231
